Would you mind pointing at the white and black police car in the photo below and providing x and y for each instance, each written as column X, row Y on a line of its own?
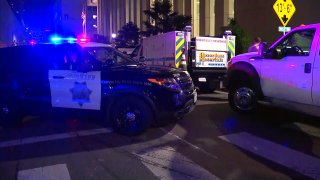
column 92, row 76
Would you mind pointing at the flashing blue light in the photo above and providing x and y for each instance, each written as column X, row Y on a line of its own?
column 72, row 40
column 56, row 39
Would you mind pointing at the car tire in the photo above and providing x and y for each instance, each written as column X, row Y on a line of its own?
column 131, row 116
column 243, row 98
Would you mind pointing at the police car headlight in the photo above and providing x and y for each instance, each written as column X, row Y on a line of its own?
column 170, row 83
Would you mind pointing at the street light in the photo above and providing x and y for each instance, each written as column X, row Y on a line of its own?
column 113, row 36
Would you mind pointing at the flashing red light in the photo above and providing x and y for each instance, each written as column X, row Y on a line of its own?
column 83, row 40
column 32, row 42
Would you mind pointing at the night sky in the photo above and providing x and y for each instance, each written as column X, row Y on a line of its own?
column 36, row 14
column 40, row 13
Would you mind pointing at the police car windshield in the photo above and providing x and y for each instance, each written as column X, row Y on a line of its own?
column 110, row 56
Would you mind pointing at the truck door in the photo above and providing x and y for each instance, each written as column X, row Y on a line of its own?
column 72, row 85
column 286, row 73
column 316, row 74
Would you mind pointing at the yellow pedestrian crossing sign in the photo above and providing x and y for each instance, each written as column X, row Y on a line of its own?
column 284, row 9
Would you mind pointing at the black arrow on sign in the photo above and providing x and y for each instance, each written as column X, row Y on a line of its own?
column 284, row 18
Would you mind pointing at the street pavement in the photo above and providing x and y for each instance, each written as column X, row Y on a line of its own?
column 212, row 142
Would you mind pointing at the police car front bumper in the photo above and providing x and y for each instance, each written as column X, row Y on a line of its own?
column 188, row 106
column 178, row 105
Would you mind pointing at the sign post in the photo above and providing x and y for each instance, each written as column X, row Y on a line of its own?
column 285, row 10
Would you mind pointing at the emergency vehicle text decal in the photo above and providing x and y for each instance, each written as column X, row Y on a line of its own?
column 211, row 59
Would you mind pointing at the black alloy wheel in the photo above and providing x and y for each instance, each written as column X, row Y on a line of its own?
column 243, row 98
column 131, row 116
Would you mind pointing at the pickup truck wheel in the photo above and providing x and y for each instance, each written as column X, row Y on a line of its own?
column 131, row 116
column 243, row 99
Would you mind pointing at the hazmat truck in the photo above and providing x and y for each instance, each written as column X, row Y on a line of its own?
column 205, row 58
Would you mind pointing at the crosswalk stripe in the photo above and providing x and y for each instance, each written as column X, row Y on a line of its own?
column 55, row 172
column 166, row 163
column 305, row 128
column 295, row 160
column 202, row 103
column 51, row 137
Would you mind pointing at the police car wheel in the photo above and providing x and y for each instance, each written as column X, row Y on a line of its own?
column 242, row 98
column 131, row 116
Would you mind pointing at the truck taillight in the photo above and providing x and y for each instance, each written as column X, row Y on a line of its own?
column 229, row 64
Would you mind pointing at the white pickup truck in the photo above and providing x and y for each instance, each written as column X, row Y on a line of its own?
column 287, row 74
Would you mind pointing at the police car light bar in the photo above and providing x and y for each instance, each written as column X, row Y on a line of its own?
column 55, row 39
column 83, row 40
column 71, row 39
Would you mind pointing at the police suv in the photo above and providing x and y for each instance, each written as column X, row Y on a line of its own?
column 93, row 76
column 286, row 74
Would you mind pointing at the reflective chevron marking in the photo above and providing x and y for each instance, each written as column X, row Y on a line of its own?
column 166, row 163
column 55, row 172
column 295, row 160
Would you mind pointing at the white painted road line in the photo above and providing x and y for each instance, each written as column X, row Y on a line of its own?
column 166, row 163
column 53, row 137
column 188, row 143
column 221, row 92
column 94, row 132
column 202, row 103
column 305, row 128
column 55, row 172
column 292, row 159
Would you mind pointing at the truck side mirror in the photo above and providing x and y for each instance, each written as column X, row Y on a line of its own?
column 263, row 47
column 142, row 59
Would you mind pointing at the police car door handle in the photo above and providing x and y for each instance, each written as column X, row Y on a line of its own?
column 58, row 77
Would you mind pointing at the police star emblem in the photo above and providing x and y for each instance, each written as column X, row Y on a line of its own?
column 80, row 93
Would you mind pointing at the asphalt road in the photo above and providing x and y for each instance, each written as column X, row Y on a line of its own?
column 212, row 142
